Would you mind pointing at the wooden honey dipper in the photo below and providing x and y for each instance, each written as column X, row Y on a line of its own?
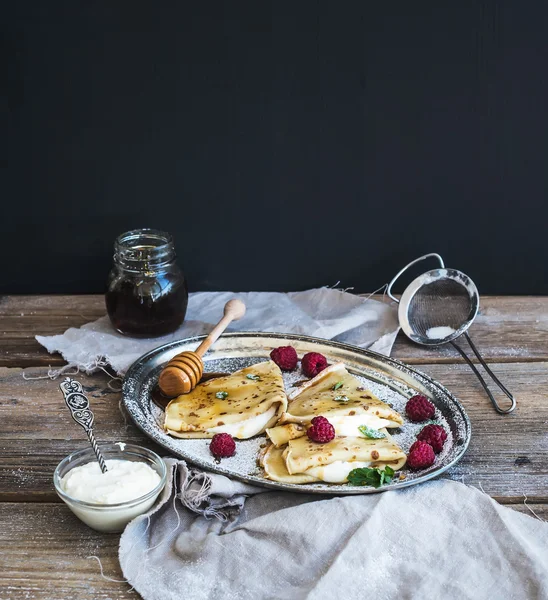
column 184, row 371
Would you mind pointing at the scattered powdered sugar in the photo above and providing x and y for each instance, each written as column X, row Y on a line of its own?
column 21, row 477
column 439, row 333
column 406, row 435
column 393, row 388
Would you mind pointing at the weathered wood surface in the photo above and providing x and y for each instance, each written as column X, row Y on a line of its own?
column 507, row 456
column 45, row 549
column 507, row 329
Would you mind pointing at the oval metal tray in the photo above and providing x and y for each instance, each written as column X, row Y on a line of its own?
column 389, row 379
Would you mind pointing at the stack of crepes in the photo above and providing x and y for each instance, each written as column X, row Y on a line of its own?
column 253, row 400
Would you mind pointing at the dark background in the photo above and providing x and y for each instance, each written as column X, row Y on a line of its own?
column 284, row 144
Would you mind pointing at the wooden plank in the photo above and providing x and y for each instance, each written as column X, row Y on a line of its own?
column 508, row 329
column 53, row 304
column 507, row 453
column 507, row 456
column 45, row 551
column 537, row 511
column 23, row 317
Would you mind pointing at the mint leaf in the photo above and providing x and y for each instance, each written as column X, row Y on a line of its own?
column 387, row 474
column 338, row 385
column 372, row 477
column 254, row 377
column 221, row 395
column 371, row 433
column 365, row 476
column 341, row 398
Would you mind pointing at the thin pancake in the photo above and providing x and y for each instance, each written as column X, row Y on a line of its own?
column 330, row 462
column 274, row 467
column 251, row 405
column 319, row 397
column 302, row 454
column 281, row 434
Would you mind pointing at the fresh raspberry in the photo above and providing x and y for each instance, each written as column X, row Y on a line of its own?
column 285, row 357
column 435, row 435
column 419, row 408
column 421, row 455
column 222, row 445
column 312, row 363
column 321, row 430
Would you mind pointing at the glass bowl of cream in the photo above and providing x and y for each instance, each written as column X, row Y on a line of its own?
column 109, row 501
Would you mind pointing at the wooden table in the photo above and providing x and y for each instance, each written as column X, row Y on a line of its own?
column 45, row 550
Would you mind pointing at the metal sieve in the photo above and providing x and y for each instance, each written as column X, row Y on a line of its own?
column 437, row 308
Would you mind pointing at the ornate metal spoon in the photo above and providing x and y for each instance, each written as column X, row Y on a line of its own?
column 78, row 405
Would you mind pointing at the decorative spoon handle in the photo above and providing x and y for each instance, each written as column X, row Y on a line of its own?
column 78, row 405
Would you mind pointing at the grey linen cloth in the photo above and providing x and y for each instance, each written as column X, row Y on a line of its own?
column 323, row 312
column 212, row 538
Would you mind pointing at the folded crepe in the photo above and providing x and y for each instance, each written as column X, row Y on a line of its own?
column 340, row 397
column 243, row 404
column 305, row 461
column 272, row 461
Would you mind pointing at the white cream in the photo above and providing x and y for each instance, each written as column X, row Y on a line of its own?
column 347, row 426
column 439, row 333
column 123, row 481
column 249, row 427
column 337, row 471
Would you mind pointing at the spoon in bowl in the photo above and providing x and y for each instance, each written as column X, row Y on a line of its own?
column 78, row 405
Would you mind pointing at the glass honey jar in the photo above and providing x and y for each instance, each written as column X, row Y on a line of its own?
column 146, row 291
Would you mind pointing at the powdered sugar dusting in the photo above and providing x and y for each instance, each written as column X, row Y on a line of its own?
column 439, row 333
column 407, row 434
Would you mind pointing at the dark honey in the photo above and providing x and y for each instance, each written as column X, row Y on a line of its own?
column 146, row 315
column 147, row 294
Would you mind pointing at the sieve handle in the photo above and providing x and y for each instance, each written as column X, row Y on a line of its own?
column 502, row 411
column 398, row 275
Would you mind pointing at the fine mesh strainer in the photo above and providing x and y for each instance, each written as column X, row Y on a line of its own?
column 437, row 308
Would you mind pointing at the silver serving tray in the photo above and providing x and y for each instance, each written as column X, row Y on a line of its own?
column 389, row 379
